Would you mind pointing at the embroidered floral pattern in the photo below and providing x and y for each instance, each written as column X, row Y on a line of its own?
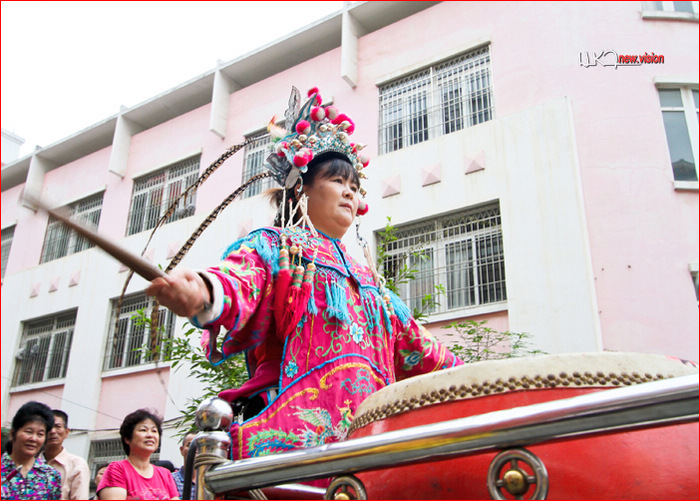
column 356, row 332
column 291, row 370
column 410, row 359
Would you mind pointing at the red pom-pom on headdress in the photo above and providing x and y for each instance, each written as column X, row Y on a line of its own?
column 332, row 112
column 362, row 208
column 318, row 113
column 303, row 127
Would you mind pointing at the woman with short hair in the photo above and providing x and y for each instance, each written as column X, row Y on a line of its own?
column 135, row 477
column 25, row 473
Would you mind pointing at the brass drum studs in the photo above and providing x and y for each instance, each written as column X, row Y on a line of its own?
column 509, row 471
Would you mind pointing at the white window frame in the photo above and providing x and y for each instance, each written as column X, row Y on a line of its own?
column 8, row 234
column 412, row 109
column 61, row 241
column 255, row 154
column 44, row 350
column 666, row 10
column 154, row 193
column 125, row 348
column 473, row 229
column 689, row 108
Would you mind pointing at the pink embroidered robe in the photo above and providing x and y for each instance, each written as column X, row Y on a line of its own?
column 345, row 347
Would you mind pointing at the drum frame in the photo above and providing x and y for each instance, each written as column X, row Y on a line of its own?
column 657, row 403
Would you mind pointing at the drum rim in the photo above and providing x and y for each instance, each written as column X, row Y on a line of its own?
column 615, row 369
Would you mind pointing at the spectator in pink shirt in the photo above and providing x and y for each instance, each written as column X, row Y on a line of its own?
column 135, row 477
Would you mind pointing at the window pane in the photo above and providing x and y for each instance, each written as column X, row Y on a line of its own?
column 460, row 275
column 683, row 6
column 424, row 281
column 492, row 284
column 695, row 97
column 153, row 195
column 255, row 154
column 679, row 146
column 129, row 342
column 44, row 349
column 670, row 98
column 60, row 240
column 439, row 100
column 7, row 236
column 462, row 252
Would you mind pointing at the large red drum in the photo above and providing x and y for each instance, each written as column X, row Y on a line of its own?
column 652, row 463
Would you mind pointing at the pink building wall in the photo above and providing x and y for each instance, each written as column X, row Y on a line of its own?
column 619, row 131
column 118, row 396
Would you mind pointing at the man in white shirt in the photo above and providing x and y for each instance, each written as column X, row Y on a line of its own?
column 75, row 474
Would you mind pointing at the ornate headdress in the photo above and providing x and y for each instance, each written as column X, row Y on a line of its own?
column 310, row 131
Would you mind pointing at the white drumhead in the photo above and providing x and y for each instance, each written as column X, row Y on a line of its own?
column 575, row 370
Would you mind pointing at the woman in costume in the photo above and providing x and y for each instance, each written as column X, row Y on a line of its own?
column 25, row 473
column 319, row 330
column 135, row 477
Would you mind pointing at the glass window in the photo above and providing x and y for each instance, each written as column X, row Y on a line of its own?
column 668, row 6
column 7, row 236
column 154, row 194
column 679, row 109
column 255, row 154
column 462, row 252
column 442, row 99
column 60, row 240
column 129, row 340
column 44, row 349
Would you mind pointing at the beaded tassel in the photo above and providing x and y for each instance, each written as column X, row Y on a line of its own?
column 282, row 284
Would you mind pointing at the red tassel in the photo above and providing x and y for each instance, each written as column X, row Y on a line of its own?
column 297, row 299
column 295, row 305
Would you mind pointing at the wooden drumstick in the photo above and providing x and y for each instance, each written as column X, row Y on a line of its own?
column 126, row 257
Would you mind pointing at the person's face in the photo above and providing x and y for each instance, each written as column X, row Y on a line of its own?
column 58, row 433
column 186, row 444
column 145, row 437
column 29, row 439
column 98, row 475
column 332, row 204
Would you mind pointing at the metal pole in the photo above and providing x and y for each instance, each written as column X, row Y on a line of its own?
column 669, row 401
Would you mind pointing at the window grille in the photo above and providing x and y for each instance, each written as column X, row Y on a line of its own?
column 44, row 349
column 679, row 108
column 463, row 252
column 255, row 154
column 153, row 194
column 7, row 236
column 60, row 240
column 130, row 344
column 439, row 100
